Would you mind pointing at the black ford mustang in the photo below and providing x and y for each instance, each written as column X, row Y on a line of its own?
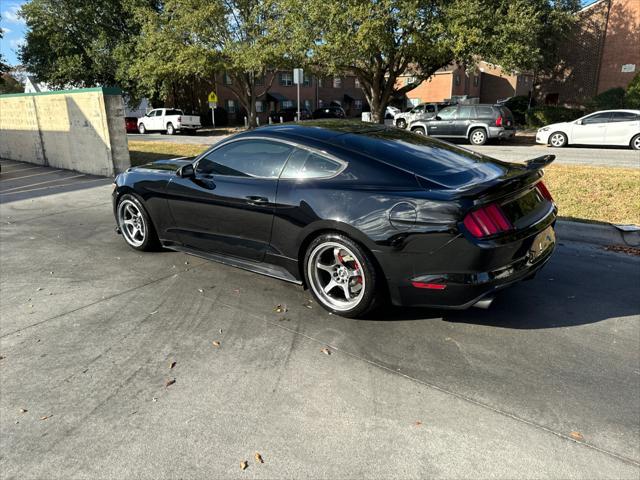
column 356, row 212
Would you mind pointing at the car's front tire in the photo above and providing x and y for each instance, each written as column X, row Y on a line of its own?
column 635, row 142
column 478, row 136
column 141, row 129
column 558, row 140
column 419, row 130
column 401, row 123
column 340, row 275
column 135, row 224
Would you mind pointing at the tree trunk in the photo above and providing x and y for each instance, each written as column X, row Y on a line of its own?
column 378, row 105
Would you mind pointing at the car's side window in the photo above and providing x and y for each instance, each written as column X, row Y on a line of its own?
column 465, row 113
column 246, row 158
column 448, row 113
column 596, row 118
column 624, row 117
column 484, row 112
column 306, row 164
column 418, row 109
column 430, row 108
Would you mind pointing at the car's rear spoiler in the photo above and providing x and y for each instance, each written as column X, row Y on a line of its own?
column 539, row 162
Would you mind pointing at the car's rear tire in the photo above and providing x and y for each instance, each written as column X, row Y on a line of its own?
column 135, row 224
column 419, row 130
column 141, row 129
column 341, row 276
column 401, row 123
column 558, row 140
column 478, row 136
column 635, row 142
column 170, row 129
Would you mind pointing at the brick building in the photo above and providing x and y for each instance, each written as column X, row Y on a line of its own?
column 487, row 83
column 603, row 53
column 314, row 93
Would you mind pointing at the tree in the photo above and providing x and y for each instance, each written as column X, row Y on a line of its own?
column 632, row 96
column 72, row 42
column 380, row 40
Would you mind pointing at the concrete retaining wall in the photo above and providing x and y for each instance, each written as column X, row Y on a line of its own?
column 81, row 130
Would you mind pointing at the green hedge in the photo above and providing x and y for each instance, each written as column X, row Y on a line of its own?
column 541, row 116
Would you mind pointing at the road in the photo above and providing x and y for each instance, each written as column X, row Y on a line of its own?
column 509, row 151
column 544, row 384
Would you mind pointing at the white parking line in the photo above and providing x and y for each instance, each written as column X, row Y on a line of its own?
column 40, row 183
column 29, row 176
column 52, row 186
column 20, row 169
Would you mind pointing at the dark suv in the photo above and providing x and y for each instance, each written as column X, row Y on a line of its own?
column 477, row 123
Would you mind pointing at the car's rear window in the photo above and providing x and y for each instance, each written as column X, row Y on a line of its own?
column 439, row 162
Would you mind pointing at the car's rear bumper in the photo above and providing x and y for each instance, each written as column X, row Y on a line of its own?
column 461, row 273
column 501, row 132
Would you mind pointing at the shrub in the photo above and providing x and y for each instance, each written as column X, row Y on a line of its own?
column 607, row 100
column 632, row 97
column 541, row 116
column 518, row 106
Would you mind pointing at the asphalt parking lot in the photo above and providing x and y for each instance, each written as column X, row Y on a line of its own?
column 545, row 384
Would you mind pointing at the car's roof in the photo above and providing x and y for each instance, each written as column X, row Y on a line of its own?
column 628, row 110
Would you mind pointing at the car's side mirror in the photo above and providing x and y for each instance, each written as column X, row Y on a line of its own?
column 186, row 171
column 578, row 122
column 437, row 117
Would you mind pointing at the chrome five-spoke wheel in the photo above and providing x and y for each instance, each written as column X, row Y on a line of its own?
column 558, row 139
column 341, row 275
column 132, row 223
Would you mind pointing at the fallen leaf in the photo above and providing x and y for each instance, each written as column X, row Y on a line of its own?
column 169, row 382
column 280, row 308
column 154, row 312
column 46, row 417
column 236, row 290
column 186, row 263
column 216, row 343
column 576, row 436
column 23, row 410
column 201, row 290
column 2, row 357
column 259, row 458
column 418, row 423
column 171, row 365
column 326, row 351
column 244, row 465
column 220, row 330
column 38, row 289
column 154, row 399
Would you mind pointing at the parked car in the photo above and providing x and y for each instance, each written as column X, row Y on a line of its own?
column 607, row 127
column 289, row 114
column 353, row 213
column 477, row 123
column 391, row 112
column 168, row 120
column 423, row 111
column 131, row 124
column 329, row 112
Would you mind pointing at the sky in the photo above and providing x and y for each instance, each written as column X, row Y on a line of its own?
column 13, row 28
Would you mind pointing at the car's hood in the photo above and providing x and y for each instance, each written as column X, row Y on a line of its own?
column 171, row 164
column 557, row 125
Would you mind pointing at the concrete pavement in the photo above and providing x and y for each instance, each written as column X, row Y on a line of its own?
column 508, row 151
column 545, row 384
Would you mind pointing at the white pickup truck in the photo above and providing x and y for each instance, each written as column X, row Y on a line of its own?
column 168, row 120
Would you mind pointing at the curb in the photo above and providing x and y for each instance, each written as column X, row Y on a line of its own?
column 596, row 234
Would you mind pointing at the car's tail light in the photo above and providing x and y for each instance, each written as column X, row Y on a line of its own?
column 542, row 188
column 499, row 121
column 487, row 221
column 429, row 286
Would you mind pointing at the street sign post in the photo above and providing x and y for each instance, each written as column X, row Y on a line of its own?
column 213, row 104
column 298, row 76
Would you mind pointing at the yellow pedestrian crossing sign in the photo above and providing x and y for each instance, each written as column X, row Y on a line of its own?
column 213, row 98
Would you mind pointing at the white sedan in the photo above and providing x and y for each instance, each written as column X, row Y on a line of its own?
column 608, row 127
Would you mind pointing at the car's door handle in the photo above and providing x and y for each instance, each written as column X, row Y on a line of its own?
column 254, row 200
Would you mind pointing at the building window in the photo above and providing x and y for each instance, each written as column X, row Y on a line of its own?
column 231, row 106
column 457, row 79
column 357, row 104
column 357, row 82
column 260, row 80
column 476, row 80
column 259, row 106
column 306, row 82
column 409, row 80
column 414, row 102
column 337, row 82
column 226, row 79
column 286, row 104
column 286, row 79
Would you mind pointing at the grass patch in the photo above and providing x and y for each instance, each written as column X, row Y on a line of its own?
column 601, row 194
column 597, row 194
column 144, row 152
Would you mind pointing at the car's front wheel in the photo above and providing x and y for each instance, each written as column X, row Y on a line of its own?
column 635, row 142
column 135, row 225
column 401, row 123
column 141, row 129
column 340, row 275
column 419, row 130
column 558, row 140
